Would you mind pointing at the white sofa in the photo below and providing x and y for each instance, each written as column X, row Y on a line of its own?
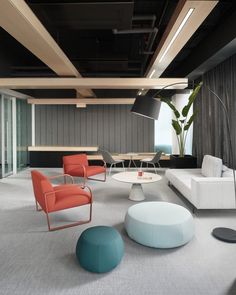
column 209, row 187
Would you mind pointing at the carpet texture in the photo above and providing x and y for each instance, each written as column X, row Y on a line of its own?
column 34, row 261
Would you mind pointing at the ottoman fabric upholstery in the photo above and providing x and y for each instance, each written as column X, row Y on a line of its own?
column 159, row 224
column 100, row 249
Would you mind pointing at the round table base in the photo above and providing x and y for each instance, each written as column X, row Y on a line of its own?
column 136, row 193
column 225, row 234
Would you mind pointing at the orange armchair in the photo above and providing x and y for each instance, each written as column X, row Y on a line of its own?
column 77, row 165
column 60, row 197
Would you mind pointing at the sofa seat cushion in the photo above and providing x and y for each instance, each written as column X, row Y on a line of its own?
column 181, row 179
column 212, row 166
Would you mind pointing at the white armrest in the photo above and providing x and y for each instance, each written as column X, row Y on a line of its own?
column 213, row 192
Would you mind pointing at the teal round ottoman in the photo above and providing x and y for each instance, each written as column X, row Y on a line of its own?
column 159, row 224
column 100, row 249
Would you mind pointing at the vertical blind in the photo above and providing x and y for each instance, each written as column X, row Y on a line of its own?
column 210, row 134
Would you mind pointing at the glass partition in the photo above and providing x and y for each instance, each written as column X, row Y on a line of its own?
column 23, row 131
column 7, row 137
column 15, row 134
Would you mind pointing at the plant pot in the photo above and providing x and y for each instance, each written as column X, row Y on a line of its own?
column 187, row 161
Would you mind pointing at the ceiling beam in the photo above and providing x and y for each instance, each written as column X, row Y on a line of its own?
column 19, row 21
column 82, row 102
column 186, row 19
column 94, row 83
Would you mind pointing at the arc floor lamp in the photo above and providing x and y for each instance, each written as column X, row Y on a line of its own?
column 149, row 106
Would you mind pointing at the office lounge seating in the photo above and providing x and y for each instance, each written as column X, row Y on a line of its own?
column 100, row 249
column 209, row 187
column 153, row 161
column 108, row 159
column 159, row 224
column 78, row 166
column 55, row 198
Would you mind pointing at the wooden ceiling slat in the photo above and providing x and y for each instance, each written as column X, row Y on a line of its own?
column 93, row 83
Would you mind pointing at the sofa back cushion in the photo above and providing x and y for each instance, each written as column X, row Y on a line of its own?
column 211, row 166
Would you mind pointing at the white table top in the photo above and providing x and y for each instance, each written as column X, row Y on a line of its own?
column 132, row 177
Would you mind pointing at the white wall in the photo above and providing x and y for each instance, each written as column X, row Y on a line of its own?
column 180, row 100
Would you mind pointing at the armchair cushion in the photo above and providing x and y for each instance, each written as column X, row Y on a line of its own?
column 89, row 171
column 73, row 165
column 93, row 170
column 42, row 185
column 68, row 196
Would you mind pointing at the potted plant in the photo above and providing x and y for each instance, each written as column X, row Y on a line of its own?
column 181, row 125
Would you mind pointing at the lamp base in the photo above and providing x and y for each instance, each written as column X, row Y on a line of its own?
column 225, row 234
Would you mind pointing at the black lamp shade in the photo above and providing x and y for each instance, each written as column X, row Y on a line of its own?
column 147, row 106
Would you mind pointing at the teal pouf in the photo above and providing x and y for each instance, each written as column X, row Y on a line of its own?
column 159, row 224
column 100, row 249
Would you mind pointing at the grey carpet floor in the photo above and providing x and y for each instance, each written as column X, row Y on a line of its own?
column 34, row 261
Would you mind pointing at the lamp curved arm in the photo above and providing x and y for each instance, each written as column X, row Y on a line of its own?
column 173, row 84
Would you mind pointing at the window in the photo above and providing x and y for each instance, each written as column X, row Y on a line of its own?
column 163, row 130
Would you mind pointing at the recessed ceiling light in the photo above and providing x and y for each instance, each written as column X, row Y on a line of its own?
column 187, row 16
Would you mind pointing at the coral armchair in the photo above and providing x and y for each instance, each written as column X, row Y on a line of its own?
column 55, row 198
column 77, row 165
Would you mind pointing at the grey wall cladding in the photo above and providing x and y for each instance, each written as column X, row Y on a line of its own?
column 111, row 127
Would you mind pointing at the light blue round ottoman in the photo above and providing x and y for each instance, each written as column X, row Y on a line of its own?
column 100, row 249
column 159, row 224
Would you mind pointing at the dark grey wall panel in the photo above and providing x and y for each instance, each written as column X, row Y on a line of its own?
column 111, row 127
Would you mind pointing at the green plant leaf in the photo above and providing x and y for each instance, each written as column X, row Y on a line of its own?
column 167, row 101
column 177, row 127
column 190, row 121
column 191, row 99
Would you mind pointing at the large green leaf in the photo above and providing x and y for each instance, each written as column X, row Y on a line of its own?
column 191, row 99
column 177, row 127
column 167, row 101
column 190, row 121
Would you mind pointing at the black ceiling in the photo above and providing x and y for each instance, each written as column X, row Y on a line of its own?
column 106, row 38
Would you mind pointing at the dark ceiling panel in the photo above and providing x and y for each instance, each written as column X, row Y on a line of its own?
column 86, row 15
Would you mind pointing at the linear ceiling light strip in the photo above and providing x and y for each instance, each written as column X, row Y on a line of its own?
column 184, row 21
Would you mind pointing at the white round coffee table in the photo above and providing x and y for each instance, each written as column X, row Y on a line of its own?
column 136, row 193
